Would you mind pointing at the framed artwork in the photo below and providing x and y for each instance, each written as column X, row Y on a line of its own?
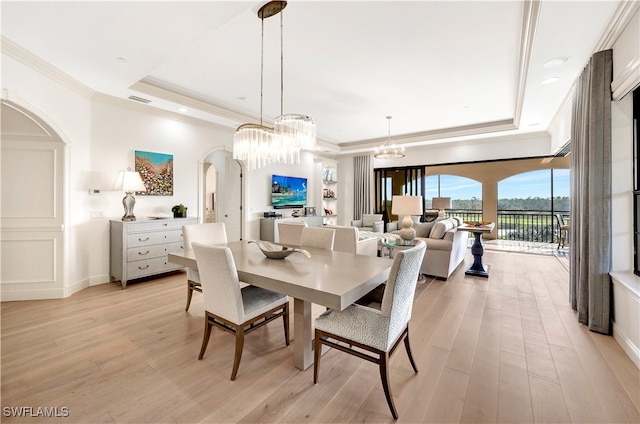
column 156, row 170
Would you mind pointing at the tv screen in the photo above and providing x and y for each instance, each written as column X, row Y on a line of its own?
column 288, row 192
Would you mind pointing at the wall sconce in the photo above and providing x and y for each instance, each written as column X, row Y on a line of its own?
column 129, row 181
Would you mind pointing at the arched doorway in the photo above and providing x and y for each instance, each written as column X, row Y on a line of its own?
column 33, row 213
column 228, row 191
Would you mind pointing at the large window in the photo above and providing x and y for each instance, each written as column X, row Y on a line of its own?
column 465, row 193
column 529, row 202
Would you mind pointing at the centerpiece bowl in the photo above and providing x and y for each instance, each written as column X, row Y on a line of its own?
column 277, row 251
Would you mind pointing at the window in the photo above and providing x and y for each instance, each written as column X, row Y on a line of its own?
column 465, row 193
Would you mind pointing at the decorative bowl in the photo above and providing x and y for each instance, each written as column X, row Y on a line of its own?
column 276, row 251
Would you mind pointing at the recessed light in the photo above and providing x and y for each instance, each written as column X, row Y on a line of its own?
column 556, row 61
column 550, row 80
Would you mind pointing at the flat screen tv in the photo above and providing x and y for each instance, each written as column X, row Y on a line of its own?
column 288, row 192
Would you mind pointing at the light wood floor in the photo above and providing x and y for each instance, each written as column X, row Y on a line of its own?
column 505, row 349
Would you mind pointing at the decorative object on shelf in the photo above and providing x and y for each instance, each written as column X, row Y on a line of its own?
column 179, row 211
column 276, row 251
column 129, row 181
column 156, row 171
column 260, row 145
column 309, row 211
column 389, row 150
column 329, row 175
column 407, row 206
column 328, row 193
column 441, row 203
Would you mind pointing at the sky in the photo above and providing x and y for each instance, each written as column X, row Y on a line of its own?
column 528, row 184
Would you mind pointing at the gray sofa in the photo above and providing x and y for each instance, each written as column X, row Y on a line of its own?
column 446, row 246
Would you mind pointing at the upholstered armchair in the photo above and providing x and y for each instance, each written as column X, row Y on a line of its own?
column 370, row 222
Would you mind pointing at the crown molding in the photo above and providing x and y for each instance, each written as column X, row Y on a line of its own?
column 154, row 111
column 621, row 17
column 34, row 62
column 529, row 25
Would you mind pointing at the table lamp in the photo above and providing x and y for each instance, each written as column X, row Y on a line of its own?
column 407, row 206
column 441, row 203
column 129, row 181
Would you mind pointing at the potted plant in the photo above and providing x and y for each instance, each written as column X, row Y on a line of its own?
column 179, row 211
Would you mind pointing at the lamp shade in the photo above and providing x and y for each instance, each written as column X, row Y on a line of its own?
column 441, row 203
column 406, row 205
column 129, row 181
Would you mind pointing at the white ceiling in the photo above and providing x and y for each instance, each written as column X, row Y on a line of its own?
column 438, row 67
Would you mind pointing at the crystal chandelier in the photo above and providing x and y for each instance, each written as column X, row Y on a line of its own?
column 253, row 143
column 292, row 132
column 389, row 150
column 259, row 145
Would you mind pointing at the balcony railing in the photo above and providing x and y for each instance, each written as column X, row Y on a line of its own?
column 538, row 226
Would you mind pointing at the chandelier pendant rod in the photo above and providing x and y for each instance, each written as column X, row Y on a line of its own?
column 281, row 64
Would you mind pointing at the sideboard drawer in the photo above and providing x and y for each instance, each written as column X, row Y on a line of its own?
column 156, row 237
column 147, row 267
column 154, row 251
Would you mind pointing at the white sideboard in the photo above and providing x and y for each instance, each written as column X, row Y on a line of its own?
column 139, row 248
column 269, row 226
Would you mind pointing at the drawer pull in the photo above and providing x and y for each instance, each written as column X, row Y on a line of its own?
column 147, row 239
column 143, row 253
column 165, row 224
column 143, row 267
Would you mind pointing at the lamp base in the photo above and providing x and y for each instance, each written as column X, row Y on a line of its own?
column 407, row 233
column 128, row 201
column 441, row 212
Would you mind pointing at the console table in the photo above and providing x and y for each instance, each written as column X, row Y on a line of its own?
column 139, row 248
column 269, row 226
column 477, row 268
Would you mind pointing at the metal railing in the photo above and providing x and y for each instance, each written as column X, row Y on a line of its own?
column 534, row 226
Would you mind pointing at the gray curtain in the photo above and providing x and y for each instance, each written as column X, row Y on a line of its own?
column 590, row 217
column 362, row 176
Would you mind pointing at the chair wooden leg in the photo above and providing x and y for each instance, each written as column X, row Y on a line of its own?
column 205, row 337
column 384, row 376
column 238, row 354
column 407, row 346
column 317, row 348
column 189, row 294
column 285, row 318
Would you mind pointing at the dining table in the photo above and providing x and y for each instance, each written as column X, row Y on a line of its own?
column 328, row 278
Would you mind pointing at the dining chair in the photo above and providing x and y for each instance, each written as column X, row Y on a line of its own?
column 233, row 309
column 290, row 232
column 317, row 237
column 563, row 229
column 373, row 334
column 209, row 233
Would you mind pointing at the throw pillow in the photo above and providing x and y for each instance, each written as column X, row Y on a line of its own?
column 440, row 228
column 423, row 229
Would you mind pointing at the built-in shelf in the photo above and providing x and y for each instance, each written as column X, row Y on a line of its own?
column 330, row 198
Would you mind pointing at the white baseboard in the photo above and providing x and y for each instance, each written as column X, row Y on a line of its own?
column 627, row 345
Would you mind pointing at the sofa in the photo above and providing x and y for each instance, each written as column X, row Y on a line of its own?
column 350, row 239
column 369, row 222
column 446, row 246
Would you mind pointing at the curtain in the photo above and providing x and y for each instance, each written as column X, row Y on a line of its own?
column 590, row 216
column 362, row 175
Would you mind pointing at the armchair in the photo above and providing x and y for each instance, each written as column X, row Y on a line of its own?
column 369, row 222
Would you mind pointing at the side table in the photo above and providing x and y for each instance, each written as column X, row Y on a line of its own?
column 392, row 247
column 477, row 268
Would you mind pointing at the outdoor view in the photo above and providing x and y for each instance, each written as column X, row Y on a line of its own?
column 527, row 203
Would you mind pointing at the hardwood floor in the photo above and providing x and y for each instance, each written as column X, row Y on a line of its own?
column 503, row 349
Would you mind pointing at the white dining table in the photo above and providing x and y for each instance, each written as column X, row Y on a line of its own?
column 329, row 278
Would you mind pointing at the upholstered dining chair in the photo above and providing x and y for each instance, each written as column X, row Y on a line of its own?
column 209, row 233
column 373, row 334
column 233, row 309
column 563, row 230
column 290, row 232
column 320, row 237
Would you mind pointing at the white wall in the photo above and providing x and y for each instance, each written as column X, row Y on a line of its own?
column 626, row 285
